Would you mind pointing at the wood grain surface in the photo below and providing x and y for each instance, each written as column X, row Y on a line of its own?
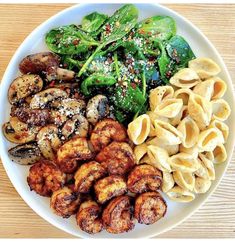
column 216, row 218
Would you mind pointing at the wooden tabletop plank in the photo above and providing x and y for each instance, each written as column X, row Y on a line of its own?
column 216, row 218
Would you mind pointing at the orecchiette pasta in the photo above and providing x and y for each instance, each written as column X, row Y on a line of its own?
column 204, row 67
column 158, row 94
column 179, row 194
column 191, row 151
column 220, row 154
column 220, row 109
column 167, row 181
column 201, row 185
column 185, row 78
column 169, row 107
column 200, row 110
column 168, row 133
column 159, row 157
column 186, row 180
column 209, row 138
column 222, row 127
column 138, row 130
column 184, row 94
column 189, row 131
column 183, row 162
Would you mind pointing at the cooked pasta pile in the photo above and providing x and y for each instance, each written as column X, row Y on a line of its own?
column 183, row 134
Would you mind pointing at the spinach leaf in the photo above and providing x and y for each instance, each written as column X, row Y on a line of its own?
column 157, row 27
column 179, row 51
column 96, row 80
column 69, row 40
column 121, row 22
column 92, row 22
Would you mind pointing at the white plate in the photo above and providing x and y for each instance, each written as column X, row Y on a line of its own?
column 35, row 43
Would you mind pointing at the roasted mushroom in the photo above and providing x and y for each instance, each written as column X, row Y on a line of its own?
column 87, row 174
column 48, row 141
column 149, row 207
column 117, row 216
column 118, row 158
column 45, row 178
column 144, row 178
column 65, row 202
column 97, row 108
column 25, row 154
column 105, row 132
column 76, row 149
column 109, row 187
column 24, row 86
column 45, row 62
column 88, row 217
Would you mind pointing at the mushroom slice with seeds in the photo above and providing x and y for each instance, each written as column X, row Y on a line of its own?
column 25, row 154
column 97, row 108
column 24, row 86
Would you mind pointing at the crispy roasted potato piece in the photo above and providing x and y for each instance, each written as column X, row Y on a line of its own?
column 109, row 187
column 88, row 217
column 149, row 207
column 117, row 216
column 24, row 86
column 87, row 174
column 144, row 178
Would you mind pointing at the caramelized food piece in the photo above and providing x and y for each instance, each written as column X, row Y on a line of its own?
column 88, row 217
column 117, row 216
column 109, row 187
column 105, row 132
column 118, row 158
column 76, row 149
column 65, row 202
column 44, row 178
column 149, row 207
column 87, row 174
column 144, row 178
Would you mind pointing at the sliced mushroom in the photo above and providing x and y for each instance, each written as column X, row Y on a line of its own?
column 48, row 141
column 24, row 86
column 48, row 63
column 25, row 154
column 77, row 125
column 18, row 132
column 41, row 99
column 97, row 108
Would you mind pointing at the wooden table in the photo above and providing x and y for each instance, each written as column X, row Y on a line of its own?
column 216, row 218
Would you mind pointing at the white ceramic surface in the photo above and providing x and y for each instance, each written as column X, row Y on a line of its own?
column 35, row 43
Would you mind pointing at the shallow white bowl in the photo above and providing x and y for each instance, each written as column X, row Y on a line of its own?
column 35, row 43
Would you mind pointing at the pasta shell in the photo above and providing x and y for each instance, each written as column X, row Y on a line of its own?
column 220, row 154
column 171, row 149
column 191, row 151
column 183, row 162
column 209, row 166
column 202, row 185
column 202, row 170
column 140, row 151
column 190, row 132
column 153, row 116
column 179, row 194
column 219, row 88
column 158, row 94
column 168, row 133
column 222, row 127
column 186, row 180
column 184, row 94
column 204, row 67
column 208, row 139
column 220, row 109
column 169, row 107
column 159, row 157
column 185, row 78
column 181, row 115
column 138, row 130
column 200, row 110
column 167, row 181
